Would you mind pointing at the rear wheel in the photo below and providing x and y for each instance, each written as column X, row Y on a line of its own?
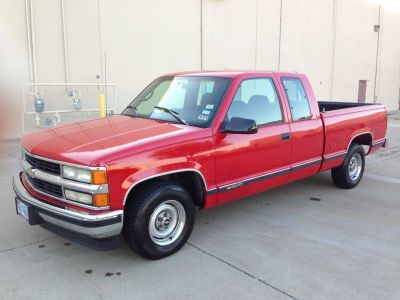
column 159, row 219
column 350, row 172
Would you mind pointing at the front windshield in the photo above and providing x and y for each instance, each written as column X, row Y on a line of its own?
column 193, row 99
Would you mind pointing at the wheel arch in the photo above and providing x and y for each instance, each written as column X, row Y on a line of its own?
column 191, row 179
column 364, row 138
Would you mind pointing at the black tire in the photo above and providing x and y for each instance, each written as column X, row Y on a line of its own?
column 158, row 201
column 346, row 175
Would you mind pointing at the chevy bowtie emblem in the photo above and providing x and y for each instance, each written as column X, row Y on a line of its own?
column 31, row 172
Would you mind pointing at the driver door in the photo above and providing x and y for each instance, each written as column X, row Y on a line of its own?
column 249, row 163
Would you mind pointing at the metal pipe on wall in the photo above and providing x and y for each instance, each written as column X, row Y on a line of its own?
column 65, row 41
column 201, row 34
column 29, row 41
column 280, row 36
column 378, row 39
column 57, row 112
column 334, row 18
column 256, row 41
column 99, row 28
column 28, row 34
column 33, row 43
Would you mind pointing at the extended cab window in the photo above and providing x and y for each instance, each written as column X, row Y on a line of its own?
column 297, row 97
column 256, row 99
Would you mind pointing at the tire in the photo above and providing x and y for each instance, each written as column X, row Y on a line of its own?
column 159, row 219
column 350, row 172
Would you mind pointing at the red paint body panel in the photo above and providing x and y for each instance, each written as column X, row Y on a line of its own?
column 232, row 165
column 239, row 157
column 341, row 126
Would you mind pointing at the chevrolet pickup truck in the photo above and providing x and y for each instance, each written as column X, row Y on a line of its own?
column 189, row 140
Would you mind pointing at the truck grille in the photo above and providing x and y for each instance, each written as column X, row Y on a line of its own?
column 43, row 165
column 46, row 187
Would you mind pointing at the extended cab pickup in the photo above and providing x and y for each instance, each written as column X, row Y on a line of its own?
column 189, row 140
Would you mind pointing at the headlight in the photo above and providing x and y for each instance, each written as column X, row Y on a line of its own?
column 79, row 197
column 95, row 177
column 77, row 174
column 86, row 176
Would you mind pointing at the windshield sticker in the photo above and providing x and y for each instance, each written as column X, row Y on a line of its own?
column 209, row 106
column 205, row 112
column 203, row 117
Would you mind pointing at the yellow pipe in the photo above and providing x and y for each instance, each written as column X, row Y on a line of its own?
column 102, row 106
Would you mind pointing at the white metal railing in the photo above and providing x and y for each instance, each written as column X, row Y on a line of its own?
column 36, row 91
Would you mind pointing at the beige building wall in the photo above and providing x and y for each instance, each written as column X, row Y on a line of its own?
column 229, row 34
column 332, row 41
column 389, row 61
column 145, row 39
column 83, row 40
column 307, row 41
column 355, row 49
column 14, row 66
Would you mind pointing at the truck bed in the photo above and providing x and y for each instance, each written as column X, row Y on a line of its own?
column 344, row 121
column 328, row 105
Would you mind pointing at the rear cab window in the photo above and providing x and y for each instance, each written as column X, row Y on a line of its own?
column 297, row 98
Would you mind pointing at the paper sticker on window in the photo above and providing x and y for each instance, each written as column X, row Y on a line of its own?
column 209, row 106
column 205, row 112
column 203, row 117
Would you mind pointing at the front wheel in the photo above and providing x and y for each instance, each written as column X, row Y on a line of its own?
column 159, row 219
column 350, row 172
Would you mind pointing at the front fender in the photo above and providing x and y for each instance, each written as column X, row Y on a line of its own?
column 143, row 175
column 124, row 173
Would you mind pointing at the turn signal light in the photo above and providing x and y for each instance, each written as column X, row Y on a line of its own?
column 101, row 200
column 99, row 177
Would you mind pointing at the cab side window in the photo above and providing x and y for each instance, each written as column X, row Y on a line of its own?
column 258, row 100
column 297, row 97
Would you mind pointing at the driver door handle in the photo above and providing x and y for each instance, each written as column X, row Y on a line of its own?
column 285, row 136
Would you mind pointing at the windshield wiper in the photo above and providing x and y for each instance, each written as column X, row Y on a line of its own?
column 172, row 113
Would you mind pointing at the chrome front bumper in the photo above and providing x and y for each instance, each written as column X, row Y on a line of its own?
column 96, row 226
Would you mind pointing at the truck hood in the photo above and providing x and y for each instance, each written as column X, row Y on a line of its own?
column 96, row 141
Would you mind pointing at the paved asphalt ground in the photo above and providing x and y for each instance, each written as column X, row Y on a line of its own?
column 305, row 240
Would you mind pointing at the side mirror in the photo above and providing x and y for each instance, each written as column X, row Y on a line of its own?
column 239, row 125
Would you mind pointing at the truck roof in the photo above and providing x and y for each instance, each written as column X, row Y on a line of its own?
column 225, row 73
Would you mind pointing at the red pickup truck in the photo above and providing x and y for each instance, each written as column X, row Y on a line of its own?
column 194, row 139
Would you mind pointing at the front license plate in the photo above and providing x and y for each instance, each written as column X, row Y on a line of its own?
column 22, row 209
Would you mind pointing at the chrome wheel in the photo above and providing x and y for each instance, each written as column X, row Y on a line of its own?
column 167, row 222
column 355, row 166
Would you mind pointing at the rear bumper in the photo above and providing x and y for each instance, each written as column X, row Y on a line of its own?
column 97, row 231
